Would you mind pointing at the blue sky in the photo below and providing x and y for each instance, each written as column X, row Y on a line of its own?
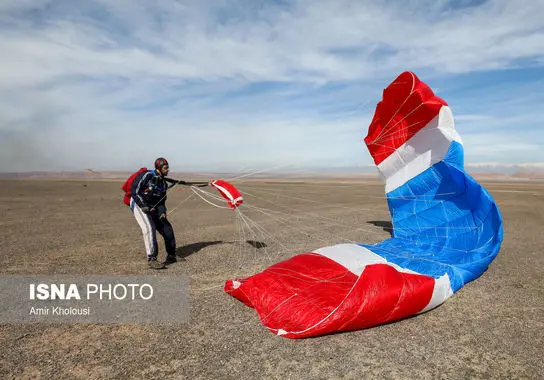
column 250, row 84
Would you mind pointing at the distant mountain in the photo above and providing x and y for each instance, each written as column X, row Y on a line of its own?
column 66, row 175
column 516, row 172
column 488, row 170
column 509, row 169
column 90, row 175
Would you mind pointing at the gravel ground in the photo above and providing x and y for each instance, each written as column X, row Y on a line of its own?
column 492, row 328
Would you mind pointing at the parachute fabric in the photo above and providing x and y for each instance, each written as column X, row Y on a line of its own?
column 447, row 229
column 229, row 192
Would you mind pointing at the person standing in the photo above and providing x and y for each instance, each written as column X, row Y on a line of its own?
column 148, row 204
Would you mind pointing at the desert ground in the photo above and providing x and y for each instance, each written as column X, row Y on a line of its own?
column 491, row 328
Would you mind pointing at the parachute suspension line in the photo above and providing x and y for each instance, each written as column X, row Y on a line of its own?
column 358, row 108
column 311, row 214
column 208, row 194
column 281, row 220
column 351, row 208
column 232, row 179
column 245, row 220
column 316, row 216
column 364, row 106
column 334, row 222
column 160, row 200
column 253, row 228
column 284, row 221
column 384, row 133
column 399, row 131
column 373, row 231
column 310, row 229
column 265, row 170
column 362, row 229
column 306, row 231
column 289, row 273
column 163, row 197
column 197, row 191
column 388, row 146
column 262, row 229
column 256, row 230
column 242, row 239
column 354, row 209
column 180, row 203
column 244, row 224
column 395, row 114
column 248, row 220
column 402, row 130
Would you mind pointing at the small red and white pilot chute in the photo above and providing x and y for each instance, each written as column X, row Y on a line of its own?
column 229, row 192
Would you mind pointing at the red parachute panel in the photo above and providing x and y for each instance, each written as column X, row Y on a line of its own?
column 311, row 295
column 229, row 192
column 408, row 105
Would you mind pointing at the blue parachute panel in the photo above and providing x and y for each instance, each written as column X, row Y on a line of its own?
column 444, row 222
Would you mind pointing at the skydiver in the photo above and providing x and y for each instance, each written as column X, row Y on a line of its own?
column 148, row 204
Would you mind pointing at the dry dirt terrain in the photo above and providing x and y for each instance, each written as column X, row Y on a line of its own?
column 492, row 328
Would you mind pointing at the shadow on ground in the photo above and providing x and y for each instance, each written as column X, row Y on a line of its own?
column 384, row 224
column 256, row 244
column 189, row 249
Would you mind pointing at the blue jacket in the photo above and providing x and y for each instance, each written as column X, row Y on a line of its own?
column 149, row 190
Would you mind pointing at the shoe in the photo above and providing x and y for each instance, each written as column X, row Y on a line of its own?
column 154, row 264
column 170, row 259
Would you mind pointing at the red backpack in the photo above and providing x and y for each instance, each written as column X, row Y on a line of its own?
column 128, row 184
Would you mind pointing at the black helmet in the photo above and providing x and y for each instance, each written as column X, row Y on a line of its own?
column 160, row 162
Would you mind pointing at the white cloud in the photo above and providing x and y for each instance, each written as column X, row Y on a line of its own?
column 209, row 40
column 108, row 75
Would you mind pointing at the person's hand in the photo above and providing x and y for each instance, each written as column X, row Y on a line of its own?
column 163, row 216
column 145, row 209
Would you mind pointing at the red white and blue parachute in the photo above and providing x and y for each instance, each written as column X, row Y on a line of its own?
column 446, row 231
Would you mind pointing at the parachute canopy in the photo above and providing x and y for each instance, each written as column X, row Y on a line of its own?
column 229, row 192
column 446, row 231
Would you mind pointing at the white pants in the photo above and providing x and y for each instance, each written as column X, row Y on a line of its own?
column 148, row 229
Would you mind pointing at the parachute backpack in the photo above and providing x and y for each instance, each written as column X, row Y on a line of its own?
column 128, row 184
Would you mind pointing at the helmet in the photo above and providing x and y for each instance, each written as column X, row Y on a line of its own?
column 160, row 162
